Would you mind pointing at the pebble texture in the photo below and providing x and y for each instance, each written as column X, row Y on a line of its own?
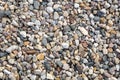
column 59, row 39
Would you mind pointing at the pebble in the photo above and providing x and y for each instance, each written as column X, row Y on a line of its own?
column 23, row 34
column 65, row 45
column 30, row 1
column 50, row 76
column 59, row 63
column 6, row 71
column 66, row 66
column 11, row 61
column 40, row 56
column 69, row 73
column 83, row 30
column 56, row 15
column 76, row 5
column 36, row 4
column 49, row 9
column 1, row 75
column 44, row 41
column 33, row 77
column 11, row 48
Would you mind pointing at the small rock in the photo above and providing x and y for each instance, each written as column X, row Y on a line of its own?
column 40, row 56
column 65, row 45
column 23, row 34
column 2, row 13
column 50, row 76
column 59, row 63
column 1, row 75
column 66, row 66
column 15, row 23
column 37, row 72
column 76, row 5
column 47, row 65
column 44, row 41
column 33, row 77
column 36, row 4
column 49, row 9
column 107, row 5
column 90, row 71
column 83, row 30
column 30, row 23
column 30, row 51
column 105, row 51
column 56, row 15
column 11, row 61
column 11, row 48
column 12, row 77
column 30, row 1
column 6, row 71
column 69, row 73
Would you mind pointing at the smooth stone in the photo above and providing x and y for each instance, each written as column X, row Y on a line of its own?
column 12, row 77
column 6, row 71
column 37, row 72
column 36, row 4
column 50, row 76
column 105, row 51
column 23, row 34
column 66, row 66
column 37, row 23
column 107, row 5
column 47, row 65
column 77, row 58
column 30, row 1
column 2, row 13
column 76, row 5
column 91, row 16
column 8, row 13
column 44, row 41
column 15, row 23
column 56, row 15
column 59, row 63
column 2, row 54
column 11, row 61
column 11, row 48
column 33, row 77
column 90, row 71
column 83, row 30
column 69, row 73
column 1, row 75
column 49, row 9
column 117, row 67
column 30, row 23
column 65, row 45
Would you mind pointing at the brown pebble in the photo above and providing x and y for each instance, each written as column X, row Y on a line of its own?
column 31, row 51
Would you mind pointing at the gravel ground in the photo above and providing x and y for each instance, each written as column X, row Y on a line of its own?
column 59, row 39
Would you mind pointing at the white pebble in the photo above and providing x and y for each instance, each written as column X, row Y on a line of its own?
column 49, row 9
column 76, row 5
column 30, row 1
column 50, row 76
column 6, row 71
column 23, row 33
column 65, row 45
column 66, row 66
column 83, row 30
column 56, row 15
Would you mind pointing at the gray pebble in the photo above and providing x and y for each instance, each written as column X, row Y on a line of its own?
column 36, row 4
column 44, row 41
column 11, row 48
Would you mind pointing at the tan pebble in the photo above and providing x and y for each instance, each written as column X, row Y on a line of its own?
column 75, row 36
column 84, row 44
column 6, row 6
column 26, row 43
column 40, row 56
column 110, row 23
column 110, row 50
column 117, row 61
column 112, row 32
column 102, row 20
column 31, row 51
column 48, row 46
column 57, row 78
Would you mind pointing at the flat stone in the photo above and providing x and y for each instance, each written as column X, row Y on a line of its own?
column 59, row 63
